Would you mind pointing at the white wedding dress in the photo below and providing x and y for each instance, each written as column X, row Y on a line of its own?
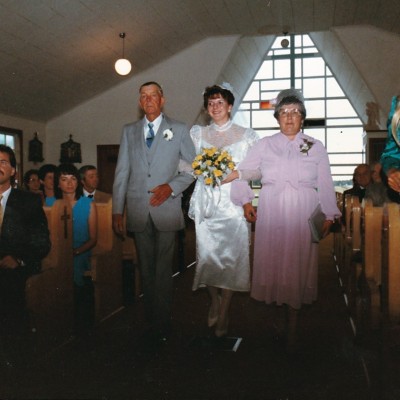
column 222, row 233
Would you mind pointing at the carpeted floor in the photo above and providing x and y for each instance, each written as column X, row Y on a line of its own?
column 114, row 364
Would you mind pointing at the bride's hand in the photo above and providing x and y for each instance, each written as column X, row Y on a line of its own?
column 231, row 177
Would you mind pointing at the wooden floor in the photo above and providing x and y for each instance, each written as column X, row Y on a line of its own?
column 333, row 359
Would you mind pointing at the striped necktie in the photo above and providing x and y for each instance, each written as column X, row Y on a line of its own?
column 150, row 135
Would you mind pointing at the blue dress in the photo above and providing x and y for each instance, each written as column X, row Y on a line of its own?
column 80, row 234
column 49, row 201
column 390, row 157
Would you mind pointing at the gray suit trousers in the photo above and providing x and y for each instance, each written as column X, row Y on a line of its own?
column 155, row 254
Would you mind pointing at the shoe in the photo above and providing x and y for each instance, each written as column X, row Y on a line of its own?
column 220, row 332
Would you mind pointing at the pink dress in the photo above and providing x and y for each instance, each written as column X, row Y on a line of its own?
column 295, row 176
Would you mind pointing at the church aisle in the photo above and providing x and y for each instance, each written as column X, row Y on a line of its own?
column 114, row 363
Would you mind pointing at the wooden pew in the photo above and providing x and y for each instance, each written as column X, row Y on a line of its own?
column 355, row 223
column 106, row 265
column 393, row 262
column 50, row 293
column 372, row 241
column 372, row 258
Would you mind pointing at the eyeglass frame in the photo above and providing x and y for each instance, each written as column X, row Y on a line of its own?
column 294, row 113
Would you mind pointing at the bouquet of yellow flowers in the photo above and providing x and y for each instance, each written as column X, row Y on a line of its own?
column 212, row 165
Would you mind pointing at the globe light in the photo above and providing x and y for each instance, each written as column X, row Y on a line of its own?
column 123, row 66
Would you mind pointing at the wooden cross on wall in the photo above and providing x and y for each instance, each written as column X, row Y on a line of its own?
column 65, row 217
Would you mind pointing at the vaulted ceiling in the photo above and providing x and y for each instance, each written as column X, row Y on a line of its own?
column 56, row 54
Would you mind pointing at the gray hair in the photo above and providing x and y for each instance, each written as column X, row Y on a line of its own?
column 290, row 96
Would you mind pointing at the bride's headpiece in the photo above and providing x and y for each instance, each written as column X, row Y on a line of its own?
column 226, row 86
column 223, row 85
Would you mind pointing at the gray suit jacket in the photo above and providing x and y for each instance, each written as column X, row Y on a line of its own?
column 140, row 169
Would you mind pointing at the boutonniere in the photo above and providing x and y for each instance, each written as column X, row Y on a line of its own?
column 306, row 146
column 168, row 135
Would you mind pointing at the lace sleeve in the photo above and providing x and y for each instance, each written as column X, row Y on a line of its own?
column 250, row 175
column 251, row 136
column 195, row 134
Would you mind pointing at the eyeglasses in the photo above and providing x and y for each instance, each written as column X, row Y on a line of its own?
column 4, row 163
column 295, row 113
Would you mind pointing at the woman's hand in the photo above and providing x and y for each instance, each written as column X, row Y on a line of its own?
column 231, row 177
column 326, row 228
column 250, row 212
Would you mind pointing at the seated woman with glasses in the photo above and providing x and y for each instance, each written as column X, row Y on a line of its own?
column 295, row 177
column 32, row 182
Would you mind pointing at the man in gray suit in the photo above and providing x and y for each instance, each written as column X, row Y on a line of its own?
column 148, row 181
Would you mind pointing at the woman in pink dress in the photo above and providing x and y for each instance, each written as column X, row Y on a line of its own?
column 295, row 176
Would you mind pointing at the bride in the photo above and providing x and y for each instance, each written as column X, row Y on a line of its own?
column 222, row 233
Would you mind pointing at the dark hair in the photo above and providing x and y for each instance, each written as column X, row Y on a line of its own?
column 67, row 169
column 212, row 92
column 84, row 169
column 13, row 160
column 152, row 83
column 28, row 175
column 45, row 169
column 290, row 100
column 11, row 154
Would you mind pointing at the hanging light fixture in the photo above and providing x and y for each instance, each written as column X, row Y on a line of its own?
column 123, row 66
column 284, row 41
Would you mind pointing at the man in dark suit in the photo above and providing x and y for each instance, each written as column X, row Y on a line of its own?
column 148, row 181
column 90, row 181
column 24, row 241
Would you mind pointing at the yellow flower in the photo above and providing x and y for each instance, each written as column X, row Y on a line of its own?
column 208, row 181
column 208, row 162
column 231, row 165
column 195, row 164
column 217, row 172
column 197, row 171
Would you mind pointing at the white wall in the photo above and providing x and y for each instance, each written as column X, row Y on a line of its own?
column 375, row 52
column 100, row 120
column 28, row 129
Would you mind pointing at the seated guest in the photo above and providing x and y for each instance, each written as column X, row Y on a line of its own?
column 46, row 175
column 24, row 242
column 377, row 190
column 361, row 179
column 31, row 181
column 68, row 187
column 90, row 182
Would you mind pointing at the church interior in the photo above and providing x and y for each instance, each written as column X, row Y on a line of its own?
column 59, row 84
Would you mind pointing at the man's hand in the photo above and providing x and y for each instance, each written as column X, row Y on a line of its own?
column 394, row 179
column 118, row 226
column 250, row 212
column 8, row 262
column 160, row 194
